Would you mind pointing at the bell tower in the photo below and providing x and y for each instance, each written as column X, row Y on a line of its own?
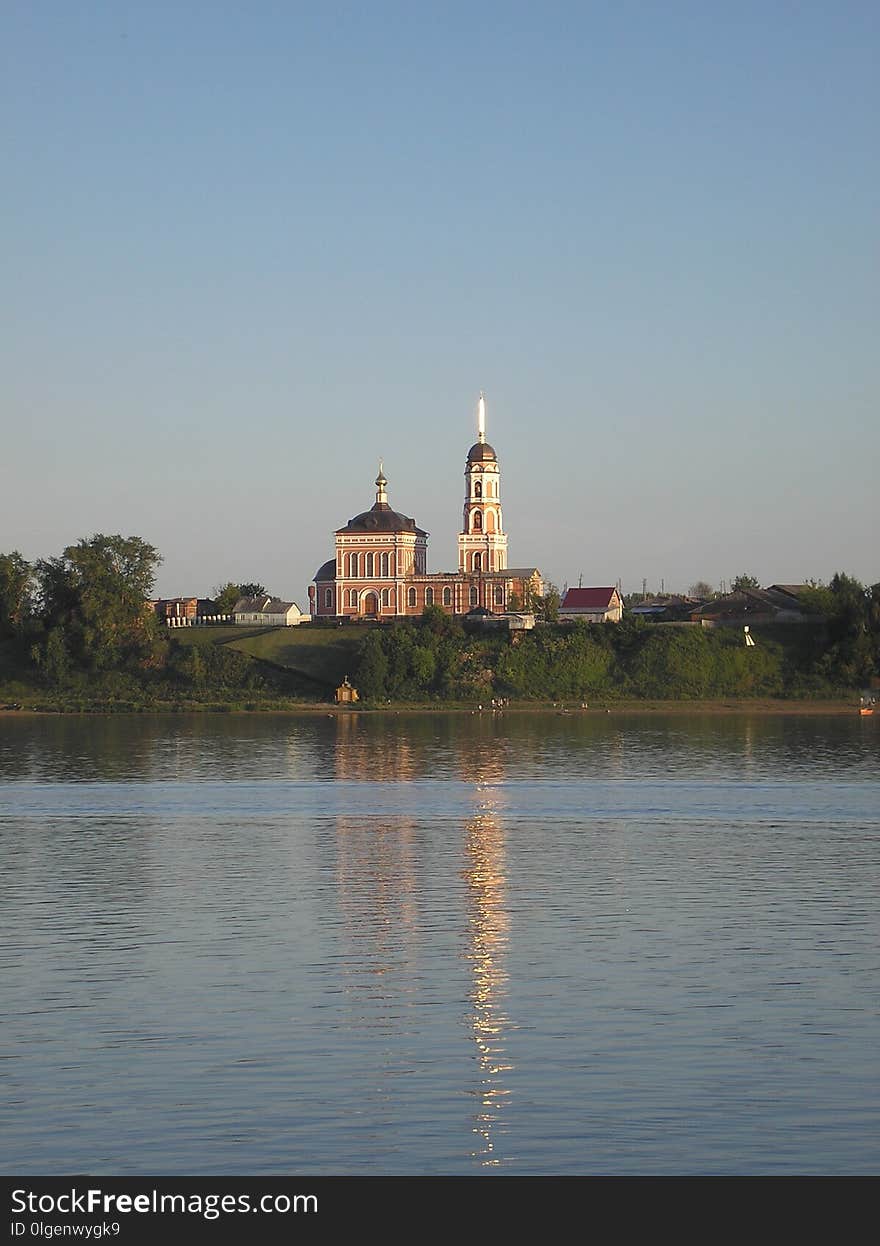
column 482, row 542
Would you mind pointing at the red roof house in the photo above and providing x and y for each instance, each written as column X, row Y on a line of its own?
column 594, row 605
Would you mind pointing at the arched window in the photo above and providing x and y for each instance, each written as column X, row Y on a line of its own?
column 368, row 570
column 474, row 596
column 447, row 596
column 499, row 595
column 354, row 565
column 478, row 489
column 328, row 598
column 384, row 567
column 429, row 596
column 478, row 562
column 478, row 521
column 386, row 594
column 411, row 597
column 490, row 521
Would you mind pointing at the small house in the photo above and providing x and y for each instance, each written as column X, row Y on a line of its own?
column 592, row 605
column 752, row 605
column 266, row 612
column 186, row 611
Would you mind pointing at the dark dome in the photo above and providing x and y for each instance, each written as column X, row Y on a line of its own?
column 381, row 518
column 482, row 452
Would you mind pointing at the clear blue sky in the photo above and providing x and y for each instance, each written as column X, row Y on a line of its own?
column 249, row 248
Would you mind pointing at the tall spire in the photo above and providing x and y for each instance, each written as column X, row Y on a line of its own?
column 381, row 482
column 481, row 419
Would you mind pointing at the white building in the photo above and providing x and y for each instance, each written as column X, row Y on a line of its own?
column 267, row 612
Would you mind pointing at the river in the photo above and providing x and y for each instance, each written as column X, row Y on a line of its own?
column 382, row 944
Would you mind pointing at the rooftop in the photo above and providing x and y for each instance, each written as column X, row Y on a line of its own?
column 588, row 598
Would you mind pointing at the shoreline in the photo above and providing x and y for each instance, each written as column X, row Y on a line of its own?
column 727, row 706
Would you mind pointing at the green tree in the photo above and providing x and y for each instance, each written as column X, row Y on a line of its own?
column 703, row 590
column 817, row 599
column 873, row 613
column 436, row 621
column 226, row 595
column 547, row 606
column 372, row 667
column 743, row 581
column 53, row 657
column 96, row 594
column 850, row 615
column 850, row 655
column 15, row 593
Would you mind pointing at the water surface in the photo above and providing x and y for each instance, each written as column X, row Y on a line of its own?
column 440, row 944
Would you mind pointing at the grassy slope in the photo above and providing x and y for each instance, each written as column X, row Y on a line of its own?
column 325, row 655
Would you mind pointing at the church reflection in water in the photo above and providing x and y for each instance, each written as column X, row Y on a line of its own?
column 486, row 946
column 391, row 872
column 488, row 926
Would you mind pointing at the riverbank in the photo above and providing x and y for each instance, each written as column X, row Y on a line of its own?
column 835, row 706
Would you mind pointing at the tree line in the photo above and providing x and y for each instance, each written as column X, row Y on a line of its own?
column 438, row 657
column 82, row 625
column 83, row 621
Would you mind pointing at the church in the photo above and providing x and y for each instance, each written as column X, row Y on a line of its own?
column 380, row 570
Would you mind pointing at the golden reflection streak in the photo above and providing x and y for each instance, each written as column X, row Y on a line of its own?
column 488, row 934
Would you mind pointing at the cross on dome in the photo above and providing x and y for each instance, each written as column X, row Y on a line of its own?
column 381, row 482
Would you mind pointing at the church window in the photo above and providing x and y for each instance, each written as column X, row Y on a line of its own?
column 447, row 596
column 499, row 595
column 368, row 570
column 490, row 521
column 384, row 566
column 386, row 595
column 411, row 597
column 478, row 521
column 328, row 598
column 474, row 596
column 478, row 562
column 429, row 596
column 478, row 490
